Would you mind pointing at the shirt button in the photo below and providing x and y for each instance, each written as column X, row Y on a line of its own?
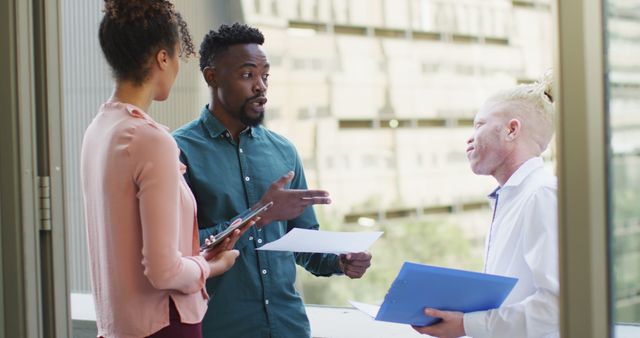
column 240, row 150
column 264, row 271
column 247, row 178
column 266, row 301
column 251, row 238
column 226, row 134
column 259, row 240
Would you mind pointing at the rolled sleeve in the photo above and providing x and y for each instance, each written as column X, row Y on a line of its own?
column 475, row 324
column 204, row 268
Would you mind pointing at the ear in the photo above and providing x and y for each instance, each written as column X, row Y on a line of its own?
column 162, row 59
column 513, row 129
column 210, row 74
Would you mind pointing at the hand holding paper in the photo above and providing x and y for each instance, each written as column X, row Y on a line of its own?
column 354, row 265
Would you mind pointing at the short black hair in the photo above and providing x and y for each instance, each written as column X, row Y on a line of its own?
column 215, row 43
column 131, row 31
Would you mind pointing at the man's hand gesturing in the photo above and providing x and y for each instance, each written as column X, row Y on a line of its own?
column 288, row 203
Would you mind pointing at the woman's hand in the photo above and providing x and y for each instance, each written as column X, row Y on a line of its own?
column 222, row 257
column 222, row 262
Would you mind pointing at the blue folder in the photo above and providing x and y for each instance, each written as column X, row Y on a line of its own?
column 419, row 286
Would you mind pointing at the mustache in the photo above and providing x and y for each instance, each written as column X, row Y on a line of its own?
column 257, row 96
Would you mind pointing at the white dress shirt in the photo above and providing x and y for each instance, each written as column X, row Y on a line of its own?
column 523, row 243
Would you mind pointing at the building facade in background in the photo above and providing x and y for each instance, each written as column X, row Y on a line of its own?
column 380, row 95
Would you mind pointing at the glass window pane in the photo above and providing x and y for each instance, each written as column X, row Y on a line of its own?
column 623, row 54
column 397, row 109
column 378, row 99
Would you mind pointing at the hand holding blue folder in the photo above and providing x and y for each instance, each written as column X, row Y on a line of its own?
column 419, row 286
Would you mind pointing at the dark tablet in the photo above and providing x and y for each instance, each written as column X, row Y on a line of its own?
column 219, row 238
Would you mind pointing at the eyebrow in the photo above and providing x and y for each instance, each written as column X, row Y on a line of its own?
column 248, row 64
column 253, row 65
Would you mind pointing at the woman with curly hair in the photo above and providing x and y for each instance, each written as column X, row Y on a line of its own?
column 147, row 273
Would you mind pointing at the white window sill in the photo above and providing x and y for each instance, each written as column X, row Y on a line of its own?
column 326, row 322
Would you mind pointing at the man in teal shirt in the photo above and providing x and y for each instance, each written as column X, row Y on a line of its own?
column 234, row 164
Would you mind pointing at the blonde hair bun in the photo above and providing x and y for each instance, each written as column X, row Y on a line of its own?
column 533, row 104
column 546, row 85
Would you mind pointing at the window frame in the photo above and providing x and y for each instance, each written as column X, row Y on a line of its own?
column 585, row 299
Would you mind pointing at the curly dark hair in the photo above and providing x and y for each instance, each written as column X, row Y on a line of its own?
column 216, row 43
column 132, row 31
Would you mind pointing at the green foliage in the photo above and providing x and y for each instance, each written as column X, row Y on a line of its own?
column 430, row 242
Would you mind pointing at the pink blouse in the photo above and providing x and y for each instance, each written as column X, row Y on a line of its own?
column 141, row 225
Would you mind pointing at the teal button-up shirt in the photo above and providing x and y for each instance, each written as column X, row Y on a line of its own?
column 256, row 297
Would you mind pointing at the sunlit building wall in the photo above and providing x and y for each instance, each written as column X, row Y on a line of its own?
column 379, row 96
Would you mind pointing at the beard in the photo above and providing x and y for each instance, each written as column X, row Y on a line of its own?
column 244, row 116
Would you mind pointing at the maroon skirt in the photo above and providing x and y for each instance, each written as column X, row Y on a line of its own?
column 176, row 329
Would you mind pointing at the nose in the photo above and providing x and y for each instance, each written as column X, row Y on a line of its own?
column 260, row 87
column 470, row 140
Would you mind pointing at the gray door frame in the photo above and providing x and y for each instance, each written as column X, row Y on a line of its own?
column 33, row 291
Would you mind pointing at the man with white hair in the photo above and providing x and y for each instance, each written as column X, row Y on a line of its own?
column 511, row 130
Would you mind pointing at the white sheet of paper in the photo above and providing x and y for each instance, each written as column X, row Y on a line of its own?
column 304, row 240
column 369, row 309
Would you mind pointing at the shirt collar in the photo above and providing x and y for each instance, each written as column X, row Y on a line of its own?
column 139, row 113
column 216, row 128
column 494, row 194
column 519, row 175
column 524, row 170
